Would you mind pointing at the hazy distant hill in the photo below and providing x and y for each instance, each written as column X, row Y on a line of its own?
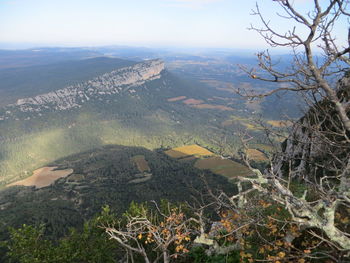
column 42, row 56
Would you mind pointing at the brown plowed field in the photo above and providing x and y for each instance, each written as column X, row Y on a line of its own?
column 43, row 177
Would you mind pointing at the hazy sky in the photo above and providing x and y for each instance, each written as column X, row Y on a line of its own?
column 188, row 23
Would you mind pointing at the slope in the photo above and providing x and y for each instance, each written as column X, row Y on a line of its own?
column 16, row 83
column 131, row 106
column 103, row 176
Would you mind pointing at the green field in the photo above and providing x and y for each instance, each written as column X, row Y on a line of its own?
column 188, row 151
column 225, row 167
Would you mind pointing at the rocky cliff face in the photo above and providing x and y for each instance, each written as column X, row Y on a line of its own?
column 318, row 144
column 74, row 96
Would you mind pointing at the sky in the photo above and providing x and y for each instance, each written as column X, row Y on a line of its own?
column 148, row 23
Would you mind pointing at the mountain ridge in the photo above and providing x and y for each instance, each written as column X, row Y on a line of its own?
column 116, row 81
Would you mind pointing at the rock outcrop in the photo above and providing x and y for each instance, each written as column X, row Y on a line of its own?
column 318, row 144
column 74, row 96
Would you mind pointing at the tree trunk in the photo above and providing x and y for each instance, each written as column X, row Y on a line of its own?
column 165, row 257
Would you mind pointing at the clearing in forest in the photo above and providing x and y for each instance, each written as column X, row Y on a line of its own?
column 264, row 147
column 233, row 120
column 225, row 167
column 279, row 124
column 248, row 123
column 189, row 150
column 211, row 107
column 141, row 163
column 177, row 98
column 256, row 155
column 192, row 102
column 43, row 177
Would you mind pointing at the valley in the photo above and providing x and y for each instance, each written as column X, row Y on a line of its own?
column 176, row 131
column 127, row 131
column 139, row 105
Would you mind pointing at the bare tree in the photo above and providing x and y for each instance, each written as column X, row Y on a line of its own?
column 307, row 73
column 317, row 152
column 159, row 235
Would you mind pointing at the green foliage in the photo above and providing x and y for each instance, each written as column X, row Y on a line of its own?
column 90, row 245
column 136, row 209
column 102, row 177
column 264, row 241
column 298, row 188
column 28, row 244
column 199, row 255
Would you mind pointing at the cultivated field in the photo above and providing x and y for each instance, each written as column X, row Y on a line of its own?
column 233, row 119
column 187, row 159
column 256, row 155
column 207, row 160
column 265, row 147
column 212, row 107
column 227, row 123
column 189, row 150
column 141, row 163
column 192, row 102
column 243, row 121
column 228, row 89
column 43, row 177
column 279, row 124
column 223, row 167
column 252, row 126
column 176, row 98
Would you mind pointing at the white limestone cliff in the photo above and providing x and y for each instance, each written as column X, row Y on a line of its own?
column 74, row 96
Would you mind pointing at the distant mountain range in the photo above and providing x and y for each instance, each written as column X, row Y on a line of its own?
column 42, row 56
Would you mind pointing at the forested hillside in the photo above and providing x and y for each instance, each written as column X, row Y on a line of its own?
column 107, row 175
column 22, row 82
column 160, row 113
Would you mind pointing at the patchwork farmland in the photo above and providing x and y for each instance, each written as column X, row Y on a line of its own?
column 224, row 167
column 206, row 160
column 256, row 155
column 144, row 169
column 187, row 151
